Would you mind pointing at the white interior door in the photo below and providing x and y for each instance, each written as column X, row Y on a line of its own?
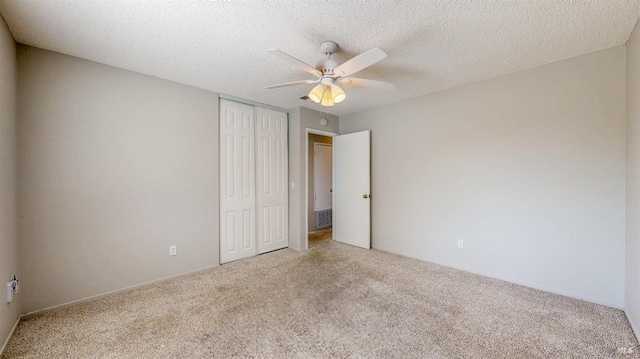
column 322, row 176
column 237, row 182
column 272, row 180
column 352, row 191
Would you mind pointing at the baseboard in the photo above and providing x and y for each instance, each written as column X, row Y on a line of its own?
column 633, row 327
column 10, row 335
column 114, row 292
column 506, row 279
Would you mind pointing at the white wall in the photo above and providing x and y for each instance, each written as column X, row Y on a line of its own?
column 300, row 119
column 8, row 221
column 527, row 168
column 115, row 167
column 632, row 300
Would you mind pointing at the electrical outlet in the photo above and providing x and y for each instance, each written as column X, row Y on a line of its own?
column 460, row 243
column 172, row 250
column 16, row 283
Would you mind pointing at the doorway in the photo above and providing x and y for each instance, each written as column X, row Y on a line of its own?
column 320, row 185
column 351, row 219
column 319, row 196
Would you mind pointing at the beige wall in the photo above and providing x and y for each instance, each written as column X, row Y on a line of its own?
column 312, row 220
column 632, row 300
column 115, row 167
column 527, row 168
column 8, row 222
column 301, row 119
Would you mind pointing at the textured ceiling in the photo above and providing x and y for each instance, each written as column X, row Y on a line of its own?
column 221, row 46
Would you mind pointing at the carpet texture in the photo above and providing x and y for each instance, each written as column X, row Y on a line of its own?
column 333, row 300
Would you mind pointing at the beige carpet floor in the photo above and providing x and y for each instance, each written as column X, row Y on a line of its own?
column 332, row 301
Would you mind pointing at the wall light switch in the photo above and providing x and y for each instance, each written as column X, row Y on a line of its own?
column 460, row 243
column 172, row 250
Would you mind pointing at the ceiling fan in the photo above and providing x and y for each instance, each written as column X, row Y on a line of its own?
column 330, row 73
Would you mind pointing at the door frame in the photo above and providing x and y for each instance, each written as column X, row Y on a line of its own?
column 255, row 106
column 308, row 131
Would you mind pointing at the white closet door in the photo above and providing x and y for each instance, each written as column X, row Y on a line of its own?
column 272, row 179
column 237, row 182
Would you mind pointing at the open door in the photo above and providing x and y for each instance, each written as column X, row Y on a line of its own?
column 352, row 189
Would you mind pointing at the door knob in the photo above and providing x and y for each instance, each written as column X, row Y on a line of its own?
column 365, row 196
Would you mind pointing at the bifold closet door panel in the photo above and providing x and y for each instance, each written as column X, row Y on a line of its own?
column 237, row 181
column 272, row 180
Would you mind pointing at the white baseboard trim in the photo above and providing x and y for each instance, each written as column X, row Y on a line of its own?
column 113, row 292
column 10, row 335
column 506, row 279
column 636, row 330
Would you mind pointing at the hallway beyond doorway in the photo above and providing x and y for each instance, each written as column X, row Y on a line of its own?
column 321, row 236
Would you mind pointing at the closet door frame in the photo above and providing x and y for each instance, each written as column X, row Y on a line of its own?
column 240, row 220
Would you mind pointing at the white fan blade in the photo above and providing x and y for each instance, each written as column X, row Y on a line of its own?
column 364, row 83
column 295, row 62
column 360, row 62
column 287, row 84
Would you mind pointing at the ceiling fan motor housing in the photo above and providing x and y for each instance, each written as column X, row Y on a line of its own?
column 327, row 65
column 328, row 81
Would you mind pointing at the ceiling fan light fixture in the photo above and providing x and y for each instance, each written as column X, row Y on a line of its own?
column 327, row 99
column 316, row 93
column 328, row 71
column 337, row 94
